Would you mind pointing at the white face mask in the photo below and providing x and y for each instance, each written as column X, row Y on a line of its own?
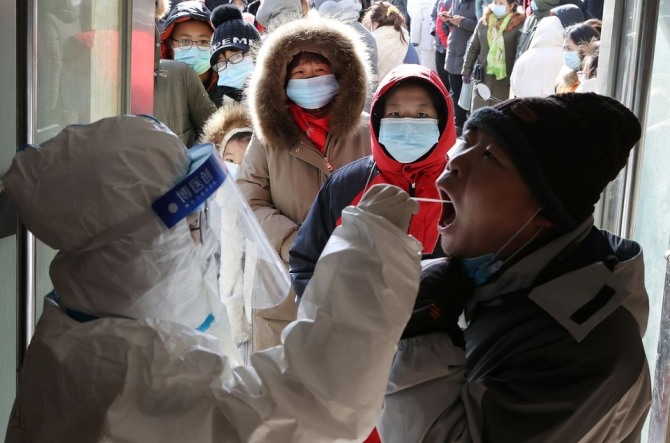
column 233, row 169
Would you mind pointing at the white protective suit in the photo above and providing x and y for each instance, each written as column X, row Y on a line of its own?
column 140, row 371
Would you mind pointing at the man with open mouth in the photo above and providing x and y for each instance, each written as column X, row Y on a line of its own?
column 531, row 329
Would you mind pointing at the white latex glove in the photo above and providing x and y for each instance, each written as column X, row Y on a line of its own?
column 390, row 202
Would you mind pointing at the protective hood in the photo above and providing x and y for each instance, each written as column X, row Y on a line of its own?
column 181, row 12
column 549, row 33
column 268, row 103
column 422, row 173
column 89, row 192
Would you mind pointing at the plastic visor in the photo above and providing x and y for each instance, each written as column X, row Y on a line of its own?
column 250, row 268
column 205, row 175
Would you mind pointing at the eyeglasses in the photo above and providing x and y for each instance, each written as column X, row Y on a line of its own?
column 233, row 60
column 200, row 225
column 203, row 45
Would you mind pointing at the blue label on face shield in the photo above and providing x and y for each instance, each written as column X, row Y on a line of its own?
column 205, row 175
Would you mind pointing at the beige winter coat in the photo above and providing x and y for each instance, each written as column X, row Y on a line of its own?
column 282, row 171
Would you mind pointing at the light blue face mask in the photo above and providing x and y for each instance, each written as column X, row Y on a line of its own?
column 235, row 75
column 571, row 60
column 533, row 6
column 198, row 60
column 232, row 168
column 499, row 10
column 481, row 269
column 312, row 93
column 408, row 139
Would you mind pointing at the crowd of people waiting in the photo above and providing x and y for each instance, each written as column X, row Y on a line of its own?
column 314, row 108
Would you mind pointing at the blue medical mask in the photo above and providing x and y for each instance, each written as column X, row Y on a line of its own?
column 571, row 60
column 312, row 93
column 235, row 75
column 499, row 10
column 408, row 139
column 533, row 6
column 481, row 269
column 198, row 60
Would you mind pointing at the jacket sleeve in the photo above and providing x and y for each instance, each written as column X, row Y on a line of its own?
column 254, row 182
column 351, row 318
column 200, row 107
column 469, row 22
column 471, row 54
column 354, row 311
column 311, row 239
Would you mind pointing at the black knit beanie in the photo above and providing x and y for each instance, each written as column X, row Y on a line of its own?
column 567, row 148
column 232, row 32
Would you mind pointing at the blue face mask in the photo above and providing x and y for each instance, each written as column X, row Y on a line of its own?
column 571, row 60
column 481, row 269
column 408, row 139
column 533, row 6
column 198, row 60
column 235, row 75
column 499, row 10
column 312, row 93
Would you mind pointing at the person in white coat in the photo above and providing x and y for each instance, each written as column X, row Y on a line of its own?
column 133, row 344
column 421, row 24
column 535, row 71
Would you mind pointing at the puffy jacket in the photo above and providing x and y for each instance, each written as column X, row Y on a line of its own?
column 553, row 353
column 347, row 185
column 528, row 31
column 282, row 171
column 545, row 50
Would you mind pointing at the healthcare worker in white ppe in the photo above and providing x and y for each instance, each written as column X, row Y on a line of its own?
column 133, row 344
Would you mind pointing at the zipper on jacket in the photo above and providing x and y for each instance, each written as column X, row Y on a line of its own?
column 325, row 154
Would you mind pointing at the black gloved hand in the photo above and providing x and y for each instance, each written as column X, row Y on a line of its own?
column 443, row 292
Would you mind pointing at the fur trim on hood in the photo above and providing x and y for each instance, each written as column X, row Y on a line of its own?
column 226, row 121
column 514, row 22
column 268, row 103
column 162, row 7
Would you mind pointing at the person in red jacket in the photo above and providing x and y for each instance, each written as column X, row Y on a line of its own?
column 412, row 128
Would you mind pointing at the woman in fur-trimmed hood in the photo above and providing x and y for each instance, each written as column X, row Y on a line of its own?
column 493, row 47
column 299, row 141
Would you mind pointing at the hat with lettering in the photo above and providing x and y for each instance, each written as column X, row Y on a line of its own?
column 232, row 32
column 566, row 147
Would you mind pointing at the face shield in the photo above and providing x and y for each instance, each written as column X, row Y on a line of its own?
column 231, row 242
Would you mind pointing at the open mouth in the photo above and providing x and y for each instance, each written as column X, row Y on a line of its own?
column 448, row 211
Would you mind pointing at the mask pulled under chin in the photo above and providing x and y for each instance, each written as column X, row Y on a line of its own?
column 198, row 60
column 482, row 268
column 408, row 139
column 312, row 93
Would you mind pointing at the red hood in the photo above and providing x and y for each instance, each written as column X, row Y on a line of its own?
column 437, row 159
column 421, row 174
